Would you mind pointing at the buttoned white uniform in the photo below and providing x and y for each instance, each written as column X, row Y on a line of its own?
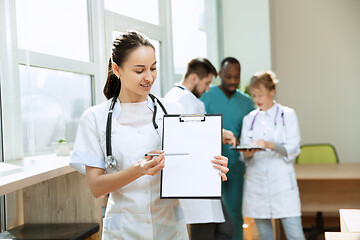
column 196, row 210
column 136, row 210
column 270, row 187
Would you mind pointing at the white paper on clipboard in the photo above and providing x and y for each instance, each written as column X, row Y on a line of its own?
column 192, row 175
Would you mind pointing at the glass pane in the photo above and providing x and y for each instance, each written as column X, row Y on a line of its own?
column 145, row 10
column 60, row 28
column 51, row 103
column 156, row 88
column 189, row 36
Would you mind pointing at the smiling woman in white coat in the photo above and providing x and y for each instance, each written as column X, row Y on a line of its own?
column 270, row 187
column 112, row 141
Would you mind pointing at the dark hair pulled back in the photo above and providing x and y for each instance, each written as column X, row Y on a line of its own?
column 122, row 47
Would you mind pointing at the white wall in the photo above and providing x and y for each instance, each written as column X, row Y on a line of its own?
column 246, row 35
column 316, row 55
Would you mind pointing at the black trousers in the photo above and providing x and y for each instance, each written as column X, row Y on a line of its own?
column 213, row 231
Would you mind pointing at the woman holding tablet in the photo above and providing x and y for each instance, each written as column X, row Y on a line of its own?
column 112, row 141
column 270, row 187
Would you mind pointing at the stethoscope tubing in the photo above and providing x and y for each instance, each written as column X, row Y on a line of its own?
column 275, row 123
column 110, row 161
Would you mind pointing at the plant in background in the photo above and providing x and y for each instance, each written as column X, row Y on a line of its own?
column 245, row 89
column 62, row 148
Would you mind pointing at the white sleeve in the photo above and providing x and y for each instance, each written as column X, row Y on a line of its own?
column 173, row 107
column 245, row 140
column 292, row 136
column 87, row 146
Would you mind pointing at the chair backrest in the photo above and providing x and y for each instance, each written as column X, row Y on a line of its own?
column 317, row 154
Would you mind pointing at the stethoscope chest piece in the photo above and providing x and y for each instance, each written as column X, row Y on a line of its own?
column 110, row 163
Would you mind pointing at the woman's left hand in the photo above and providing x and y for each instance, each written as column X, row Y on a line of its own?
column 221, row 163
column 229, row 138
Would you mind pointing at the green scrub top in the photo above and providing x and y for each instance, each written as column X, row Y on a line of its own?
column 233, row 111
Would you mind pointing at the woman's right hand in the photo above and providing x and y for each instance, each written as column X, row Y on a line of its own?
column 151, row 165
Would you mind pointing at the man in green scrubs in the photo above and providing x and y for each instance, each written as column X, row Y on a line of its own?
column 234, row 105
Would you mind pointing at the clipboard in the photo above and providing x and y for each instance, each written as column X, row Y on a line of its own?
column 191, row 176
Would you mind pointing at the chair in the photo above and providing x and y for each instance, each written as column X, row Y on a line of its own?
column 318, row 154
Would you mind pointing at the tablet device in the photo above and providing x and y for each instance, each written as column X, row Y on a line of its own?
column 246, row 148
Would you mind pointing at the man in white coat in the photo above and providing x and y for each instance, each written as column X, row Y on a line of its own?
column 208, row 219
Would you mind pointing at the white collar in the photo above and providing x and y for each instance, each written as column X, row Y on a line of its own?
column 117, row 108
column 186, row 89
column 272, row 111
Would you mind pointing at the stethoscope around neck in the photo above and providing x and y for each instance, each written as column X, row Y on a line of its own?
column 250, row 134
column 110, row 161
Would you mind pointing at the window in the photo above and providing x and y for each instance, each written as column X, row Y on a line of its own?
column 144, row 10
column 56, row 70
column 189, row 33
column 52, row 103
column 49, row 31
column 63, row 47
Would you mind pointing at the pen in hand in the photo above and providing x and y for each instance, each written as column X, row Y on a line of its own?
column 166, row 154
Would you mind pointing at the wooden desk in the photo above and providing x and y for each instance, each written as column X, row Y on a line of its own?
column 19, row 174
column 48, row 190
column 328, row 187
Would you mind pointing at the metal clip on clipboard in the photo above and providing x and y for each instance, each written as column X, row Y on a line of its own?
column 192, row 118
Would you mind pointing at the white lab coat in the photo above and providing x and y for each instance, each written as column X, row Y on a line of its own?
column 270, row 187
column 136, row 210
column 196, row 210
column 183, row 96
